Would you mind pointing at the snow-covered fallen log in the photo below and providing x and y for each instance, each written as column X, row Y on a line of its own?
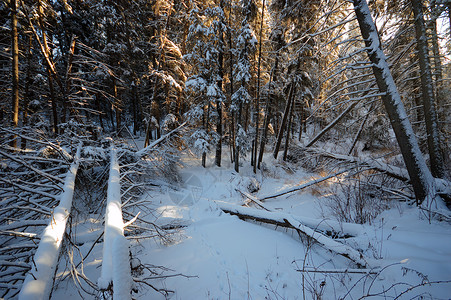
column 338, row 271
column 289, row 221
column 39, row 281
column 115, row 246
column 327, row 227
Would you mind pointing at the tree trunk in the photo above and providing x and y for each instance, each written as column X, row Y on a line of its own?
column 66, row 91
column 99, row 109
column 135, row 107
column 420, row 177
column 290, row 122
column 362, row 125
column 427, row 91
column 257, row 102
column 28, row 83
column 15, row 70
column 333, row 123
column 284, row 120
column 219, row 102
column 438, row 71
column 50, row 72
column 206, row 122
column 219, row 132
column 238, row 127
column 117, row 106
column 53, row 100
column 268, row 112
column 449, row 17
column 301, row 119
column 265, row 133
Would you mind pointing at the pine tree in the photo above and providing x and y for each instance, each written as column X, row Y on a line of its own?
column 246, row 47
column 420, row 176
column 206, row 44
column 427, row 91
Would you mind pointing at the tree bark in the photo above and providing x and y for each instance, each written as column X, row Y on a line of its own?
column 237, row 147
column 290, row 123
column 438, row 70
column 420, row 176
column 284, row 120
column 219, row 132
column 449, row 17
column 257, row 102
column 427, row 91
column 27, row 93
column 117, row 106
column 219, row 102
column 15, row 69
column 67, row 87
column 206, row 127
column 50, row 71
column 269, row 102
column 333, row 123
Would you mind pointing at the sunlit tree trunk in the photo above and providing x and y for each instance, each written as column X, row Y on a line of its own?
column 257, row 103
column 48, row 54
column 15, row 69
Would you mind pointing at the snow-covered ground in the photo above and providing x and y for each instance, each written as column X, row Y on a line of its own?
column 218, row 256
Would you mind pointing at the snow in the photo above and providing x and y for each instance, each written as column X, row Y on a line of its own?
column 218, row 256
column 122, row 279
column 114, row 225
column 39, row 280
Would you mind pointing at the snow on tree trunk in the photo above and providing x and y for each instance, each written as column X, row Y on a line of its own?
column 39, row 280
column 114, row 246
column 122, row 279
column 420, row 176
column 427, row 92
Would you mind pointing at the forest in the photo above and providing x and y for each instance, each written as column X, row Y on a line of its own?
column 225, row 149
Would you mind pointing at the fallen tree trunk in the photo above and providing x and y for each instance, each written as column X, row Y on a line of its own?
column 288, row 221
column 39, row 281
column 115, row 264
column 333, row 123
